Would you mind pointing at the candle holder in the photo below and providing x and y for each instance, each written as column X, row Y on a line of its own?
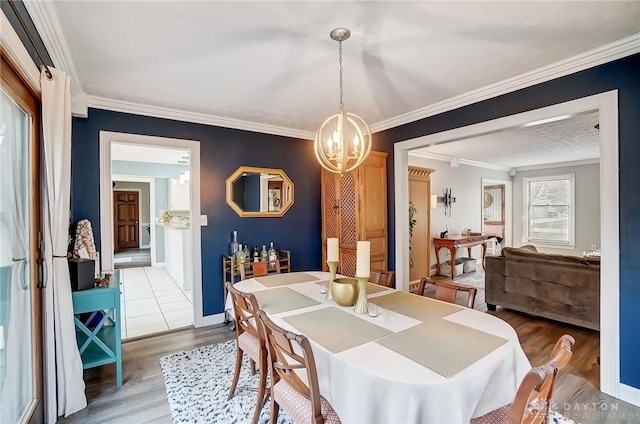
column 362, row 304
column 333, row 266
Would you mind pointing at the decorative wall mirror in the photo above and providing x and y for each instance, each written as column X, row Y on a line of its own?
column 493, row 204
column 259, row 192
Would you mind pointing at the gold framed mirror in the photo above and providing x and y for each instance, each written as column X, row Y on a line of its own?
column 254, row 192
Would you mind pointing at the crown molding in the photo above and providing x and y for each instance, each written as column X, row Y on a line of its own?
column 558, row 165
column 594, row 57
column 195, row 117
column 446, row 158
column 45, row 19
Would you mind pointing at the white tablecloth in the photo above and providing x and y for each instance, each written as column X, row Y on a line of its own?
column 372, row 384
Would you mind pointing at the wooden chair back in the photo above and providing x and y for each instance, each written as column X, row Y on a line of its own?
column 448, row 292
column 382, row 278
column 531, row 404
column 245, row 310
column 285, row 359
column 257, row 269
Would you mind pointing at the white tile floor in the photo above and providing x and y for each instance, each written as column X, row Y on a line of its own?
column 151, row 302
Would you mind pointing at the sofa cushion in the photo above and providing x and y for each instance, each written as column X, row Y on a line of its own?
column 509, row 252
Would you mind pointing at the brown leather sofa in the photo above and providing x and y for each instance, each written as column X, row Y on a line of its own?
column 562, row 288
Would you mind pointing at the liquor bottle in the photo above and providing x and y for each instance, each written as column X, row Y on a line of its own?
column 240, row 257
column 256, row 254
column 273, row 256
column 247, row 254
column 234, row 244
column 264, row 254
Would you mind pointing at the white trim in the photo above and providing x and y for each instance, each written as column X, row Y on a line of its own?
column 159, row 264
column 558, row 165
column 630, row 394
column 19, row 55
column 139, row 191
column 447, row 158
column 44, row 17
column 607, row 105
column 199, row 118
column 508, row 208
column 106, row 221
column 609, row 52
column 571, row 244
column 213, row 319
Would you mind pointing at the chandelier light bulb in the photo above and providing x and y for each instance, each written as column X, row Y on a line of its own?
column 340, row 156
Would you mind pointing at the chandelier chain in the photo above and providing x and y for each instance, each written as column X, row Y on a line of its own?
column 341, row 104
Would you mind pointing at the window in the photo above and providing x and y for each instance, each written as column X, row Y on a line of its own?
column 549, row 205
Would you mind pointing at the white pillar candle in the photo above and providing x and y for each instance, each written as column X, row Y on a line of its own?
column 363, row 264
column 333, row 250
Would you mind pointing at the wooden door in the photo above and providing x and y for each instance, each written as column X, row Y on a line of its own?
column 420, row 196
column 372, row 207
column 330, row 216
column 126, row 209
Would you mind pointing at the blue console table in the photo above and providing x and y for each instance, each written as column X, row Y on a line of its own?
column 99, row 342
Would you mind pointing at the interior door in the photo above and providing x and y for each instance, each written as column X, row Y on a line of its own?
column 126, row 205
column 20, row 226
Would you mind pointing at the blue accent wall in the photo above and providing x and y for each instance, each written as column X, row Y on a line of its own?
column 222, row 151
column 251, row 193
column 622, row 75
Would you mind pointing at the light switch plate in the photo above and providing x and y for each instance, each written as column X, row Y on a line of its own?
column 203, row 221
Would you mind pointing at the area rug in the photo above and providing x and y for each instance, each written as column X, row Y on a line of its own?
column 473, row 279
column 197, row 384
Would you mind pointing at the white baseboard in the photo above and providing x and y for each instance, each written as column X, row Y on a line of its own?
column 630, row 394
column 212, row 319
column 159, row 264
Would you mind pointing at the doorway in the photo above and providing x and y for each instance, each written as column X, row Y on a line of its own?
column 151, row 189
column 606, row 105
column 21, row 344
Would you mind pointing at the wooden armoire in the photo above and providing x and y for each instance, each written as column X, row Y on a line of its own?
column 354, row 208
column 420, row 196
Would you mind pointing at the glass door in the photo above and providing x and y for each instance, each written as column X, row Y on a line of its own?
column 20, row 318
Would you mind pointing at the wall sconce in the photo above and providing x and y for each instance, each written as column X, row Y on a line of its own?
column 447, row 199
column 434, row 201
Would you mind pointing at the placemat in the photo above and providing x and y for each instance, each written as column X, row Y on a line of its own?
column 443, row 346
column 335, row 329
column 371, row 288
column 284, row 279
column 414, row 306
column 282, row 299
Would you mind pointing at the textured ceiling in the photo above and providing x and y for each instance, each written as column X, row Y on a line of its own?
column 572, row 139
column 273, row 62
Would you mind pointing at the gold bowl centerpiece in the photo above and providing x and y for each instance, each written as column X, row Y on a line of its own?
column 345, row 291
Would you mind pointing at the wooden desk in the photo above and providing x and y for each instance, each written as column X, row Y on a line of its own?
column 454, row 242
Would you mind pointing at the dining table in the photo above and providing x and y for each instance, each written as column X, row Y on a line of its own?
column 411, row 360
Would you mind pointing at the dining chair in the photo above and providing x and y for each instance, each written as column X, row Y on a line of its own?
column 257, row 269
column 382, row 278
column 447, row 292
column 290, row 354
column 249, row 340
column 531, row 403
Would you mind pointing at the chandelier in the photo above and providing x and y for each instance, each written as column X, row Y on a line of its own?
column 343, row 141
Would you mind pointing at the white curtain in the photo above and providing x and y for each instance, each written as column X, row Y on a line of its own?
column 17, row 390
column 63, row 356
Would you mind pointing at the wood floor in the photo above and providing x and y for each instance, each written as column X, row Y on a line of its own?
column 142, row 398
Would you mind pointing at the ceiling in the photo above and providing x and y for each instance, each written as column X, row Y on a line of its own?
column 136, row 153
column 566, row 140
column 272, row 62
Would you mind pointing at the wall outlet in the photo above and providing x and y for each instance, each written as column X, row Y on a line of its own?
column 203, row 221
column 593, row 247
